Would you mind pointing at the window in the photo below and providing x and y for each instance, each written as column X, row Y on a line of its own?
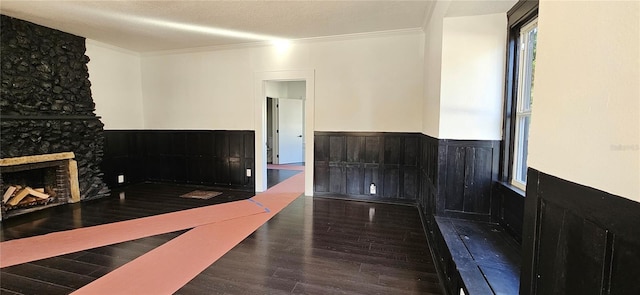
column 524, row 100
column 521, row 61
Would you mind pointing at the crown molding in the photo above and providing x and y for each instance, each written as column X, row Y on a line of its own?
column 333, row 38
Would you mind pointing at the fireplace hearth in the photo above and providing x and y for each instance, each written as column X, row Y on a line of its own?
column 35, row 182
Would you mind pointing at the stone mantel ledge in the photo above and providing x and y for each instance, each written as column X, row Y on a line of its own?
column 36, row 159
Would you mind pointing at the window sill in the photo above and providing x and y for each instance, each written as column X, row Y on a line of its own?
column 513, row 188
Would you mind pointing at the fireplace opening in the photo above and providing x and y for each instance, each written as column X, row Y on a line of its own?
column 17, row 187
column 36, row 182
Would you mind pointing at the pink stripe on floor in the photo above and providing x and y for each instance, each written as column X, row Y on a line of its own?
column 167, row 268
column 59, row 243
column 192, row 252
column 19, row 251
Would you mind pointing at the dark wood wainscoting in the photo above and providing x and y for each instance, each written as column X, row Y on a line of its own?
column 451, row 178
column 511, row 209
column 204, row 157
column 457, row 176
column 347, row 163
column 429, row 172
column 578, row 240
column 467, row 171
column 124, row 154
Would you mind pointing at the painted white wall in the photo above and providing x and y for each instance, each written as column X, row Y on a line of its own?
column 369, row 85
column 586, row 114
column 201, row 90
column 432, row 69
column 365, row 83
column 115, row 85
column 472, row 77
column 463, row 75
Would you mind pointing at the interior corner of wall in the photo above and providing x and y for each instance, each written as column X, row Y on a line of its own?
column 142, row 124
column 430, row 133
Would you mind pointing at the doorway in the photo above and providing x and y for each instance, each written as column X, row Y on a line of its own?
column 285, row 122
column 304, row 102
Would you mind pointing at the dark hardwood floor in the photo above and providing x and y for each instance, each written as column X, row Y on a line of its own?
column 314, row 246
column 275, row 176
column 135, row 201
column 327, row 246
column 67, row 273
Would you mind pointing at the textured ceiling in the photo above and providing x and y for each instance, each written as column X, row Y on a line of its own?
column 146, row 26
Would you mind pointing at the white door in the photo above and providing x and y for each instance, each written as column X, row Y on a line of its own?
column 290, row 131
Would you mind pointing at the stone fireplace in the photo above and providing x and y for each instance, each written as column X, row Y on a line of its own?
column 46, row 108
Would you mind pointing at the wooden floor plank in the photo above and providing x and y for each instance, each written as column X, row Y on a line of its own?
column 49, row 275
column 28, row 286
column 70, row 265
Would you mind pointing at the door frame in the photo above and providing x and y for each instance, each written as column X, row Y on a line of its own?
column 260, row 122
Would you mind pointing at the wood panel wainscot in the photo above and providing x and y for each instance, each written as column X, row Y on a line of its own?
column 201, row 157
column 374, row 166
column 578, row 240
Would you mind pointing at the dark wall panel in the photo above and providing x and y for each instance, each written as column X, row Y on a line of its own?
column 221, row 145
column 236, row 170
column 321, row 178
column 578, row 240
column 428, row 167
column 337, row 179
column 392, row 150
column 236, row 145
column 411, row 155
column 355, row 178
column 465, row 173
column 321, row 151
column 478, row 180
column 624, row 266
column 337, row 148
column 510, row 209
column 572, row 253
column 391, row 182
column 355, row 160
column 180, row 156
column 355, row 149
column 372, row 149
column 410, row 183
column 455, row 179
column 125, row 155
